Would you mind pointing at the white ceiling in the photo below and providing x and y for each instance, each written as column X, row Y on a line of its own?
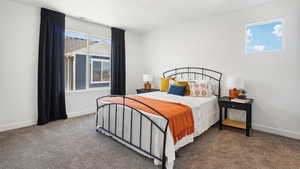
column 144, row 15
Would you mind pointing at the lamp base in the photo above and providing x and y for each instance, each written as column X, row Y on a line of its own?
column 233, row 93
column 147, row 86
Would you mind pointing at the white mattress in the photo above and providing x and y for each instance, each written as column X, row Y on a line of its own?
column 205, row 114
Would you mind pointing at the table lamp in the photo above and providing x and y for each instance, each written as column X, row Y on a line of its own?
column 147, row 78
column 234, row 85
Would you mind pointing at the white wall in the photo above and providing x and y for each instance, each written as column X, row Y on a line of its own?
column 134, row 62
column 19, row 34
column 272, row 78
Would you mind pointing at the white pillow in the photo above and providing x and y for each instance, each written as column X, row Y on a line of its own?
column 214, row 87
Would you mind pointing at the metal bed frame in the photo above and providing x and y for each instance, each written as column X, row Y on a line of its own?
column 192, row 73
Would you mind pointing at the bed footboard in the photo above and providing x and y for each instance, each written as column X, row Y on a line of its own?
column 112, row 117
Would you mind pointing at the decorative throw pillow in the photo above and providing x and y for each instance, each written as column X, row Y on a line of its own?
column 176, row 90
column 172, row 82
column 186, row 84
column 213, row 87
column 199, row 89
column 164, row 84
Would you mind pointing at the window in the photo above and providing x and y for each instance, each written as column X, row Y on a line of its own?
column 262, row 37
column 87, row 61
column 100, row 69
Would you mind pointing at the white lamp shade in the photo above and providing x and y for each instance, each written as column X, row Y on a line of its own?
column 241, row 84
column 234, row 82
column 147, row 78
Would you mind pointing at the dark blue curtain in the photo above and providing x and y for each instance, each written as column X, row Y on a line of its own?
column 51, row 87
column 118, row 67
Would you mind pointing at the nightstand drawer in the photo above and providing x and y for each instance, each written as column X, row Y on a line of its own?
column 141, row 91
column 233, row 105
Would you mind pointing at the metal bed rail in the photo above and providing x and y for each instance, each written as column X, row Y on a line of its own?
column 196, row 73
column 114, row 107
column 191, row 73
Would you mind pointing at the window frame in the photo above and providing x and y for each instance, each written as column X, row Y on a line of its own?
column 92, row 74
column 261, row 23
column 89, row 57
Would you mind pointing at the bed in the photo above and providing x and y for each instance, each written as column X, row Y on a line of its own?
column 148, row 133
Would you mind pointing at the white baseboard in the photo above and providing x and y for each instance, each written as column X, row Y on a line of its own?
column 77, row 114
column 276, row 131
column 259, row 127
column 18, row 125
column 12, row 126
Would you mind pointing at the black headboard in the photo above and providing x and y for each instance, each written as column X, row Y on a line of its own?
column 196, row 73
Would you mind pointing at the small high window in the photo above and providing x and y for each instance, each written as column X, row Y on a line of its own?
column 264, row 37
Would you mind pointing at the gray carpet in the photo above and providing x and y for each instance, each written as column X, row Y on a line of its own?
column 74, row 144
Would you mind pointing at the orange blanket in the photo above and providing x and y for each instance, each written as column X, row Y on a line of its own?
column 181, row 121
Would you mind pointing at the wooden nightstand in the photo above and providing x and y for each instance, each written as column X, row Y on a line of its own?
column 140, row 91
column 225, row 103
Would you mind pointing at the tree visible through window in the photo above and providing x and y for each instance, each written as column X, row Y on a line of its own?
column 264, row 37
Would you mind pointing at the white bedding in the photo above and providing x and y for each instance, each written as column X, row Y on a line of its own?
column 204, row 114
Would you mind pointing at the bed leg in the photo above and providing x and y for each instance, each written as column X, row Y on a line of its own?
column 97, row 129
column 164, row 163
column 176, row 154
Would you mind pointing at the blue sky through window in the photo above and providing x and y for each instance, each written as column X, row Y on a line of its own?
column 264, row 37
column 80, row 36
column 75, row 35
